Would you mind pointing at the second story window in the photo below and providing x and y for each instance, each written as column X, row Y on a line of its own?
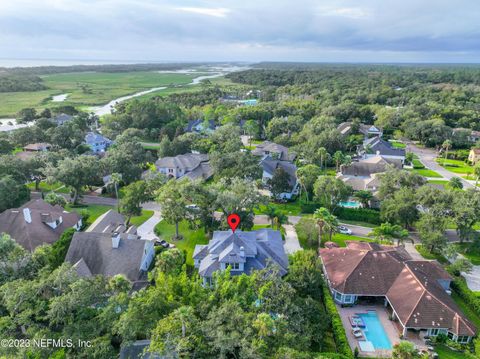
column 234, row 266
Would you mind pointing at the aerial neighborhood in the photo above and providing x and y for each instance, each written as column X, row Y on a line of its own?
column 269, row 212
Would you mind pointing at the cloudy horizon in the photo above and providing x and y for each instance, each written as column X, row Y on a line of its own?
column 198, row 31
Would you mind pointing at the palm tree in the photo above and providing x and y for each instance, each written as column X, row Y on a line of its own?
column 347, row 160
column 279, row 220
column 389, row 232
column 116, row 178
column 322, row 152
column 446, row 145
column 364, row 197
column 320, row 216
column 271, row 213
column 338, row 158
column 331, row 225
column 455, row 183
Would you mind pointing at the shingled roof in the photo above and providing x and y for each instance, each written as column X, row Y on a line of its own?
column 267, row 148
column 28, row 224
column 370, row 269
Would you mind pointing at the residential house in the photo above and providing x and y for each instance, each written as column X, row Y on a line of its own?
column 30, row 150
column 190, row 165
column 274, row 151
column 243, row 252
column 37, row 223
column 139, row 350
column 62, row 119
column 346, row 128
column 269, row 167
column 362, row 174
column 97, row 142
column 375, row 146
column 415, row 292
column 471, row 135
column 108, row 247
column 198, row 126
column 474, row 155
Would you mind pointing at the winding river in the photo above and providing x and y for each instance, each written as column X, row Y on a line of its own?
column 217, row 72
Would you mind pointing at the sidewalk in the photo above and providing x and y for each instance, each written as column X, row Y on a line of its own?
column 292, row 243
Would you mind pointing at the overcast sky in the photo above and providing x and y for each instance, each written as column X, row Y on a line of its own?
column 242, row 30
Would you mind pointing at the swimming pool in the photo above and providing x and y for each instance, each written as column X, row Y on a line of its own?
column 374, row 331
column 350, row 204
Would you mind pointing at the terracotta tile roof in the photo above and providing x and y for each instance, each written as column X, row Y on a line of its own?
column 413, row 288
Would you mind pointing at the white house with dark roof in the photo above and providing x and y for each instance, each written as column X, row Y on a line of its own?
column 97, row 142
column 375, row 146
column 273, row 151
column 242, row 251
column 189, row 165
column 269, row 168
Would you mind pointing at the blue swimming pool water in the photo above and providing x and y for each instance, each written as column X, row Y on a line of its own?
column 350, row 204
column 374, row 331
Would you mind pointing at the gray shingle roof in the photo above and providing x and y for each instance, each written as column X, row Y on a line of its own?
column 31, row 235
column 259, row 248
column 99, row 256
column 382, row 147
column 194, row 165
column 269, row 166
column 268, row 147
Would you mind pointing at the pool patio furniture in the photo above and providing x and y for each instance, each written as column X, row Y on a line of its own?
column 356, row 321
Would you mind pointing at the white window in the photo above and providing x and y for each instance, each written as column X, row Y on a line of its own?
column 434, row 331
column 348, row 299
column 338, row 296
column 462, row 339
column 170, row 170
column 234, row 266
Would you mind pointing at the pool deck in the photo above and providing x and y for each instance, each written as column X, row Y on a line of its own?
column 387, row 324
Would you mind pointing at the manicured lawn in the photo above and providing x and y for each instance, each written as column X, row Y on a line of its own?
column 440, row 182
column 471, row 253
column 288, row 208
column 138, row 220
column 425, row 254
column 340, row 239
column 94, row 210
column 190, row 237
column 417, row 164
column 425, row 172
column 455, row 166
column 446, row 353
column 397, row 144
column 45, row 186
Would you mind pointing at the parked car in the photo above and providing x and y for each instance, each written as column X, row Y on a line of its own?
column 162, row 242
column 344, row 230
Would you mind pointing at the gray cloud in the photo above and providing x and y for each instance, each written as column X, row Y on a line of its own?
column 302, row 30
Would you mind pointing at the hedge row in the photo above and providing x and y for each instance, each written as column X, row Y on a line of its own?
column 461, row 288
column 338, row 330
column 352, row 214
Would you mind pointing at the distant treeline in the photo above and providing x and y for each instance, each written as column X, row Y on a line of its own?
column 16, row 83
column 45, row 70
column 281, row 74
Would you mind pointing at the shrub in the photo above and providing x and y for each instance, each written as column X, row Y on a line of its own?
column 461, row 288
column 359, row 214
column 337, row 326
column 55, row 199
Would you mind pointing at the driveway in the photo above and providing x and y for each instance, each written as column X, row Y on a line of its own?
column 427, row 156
column 358, row 231
column 291, row 244
column 146, row 230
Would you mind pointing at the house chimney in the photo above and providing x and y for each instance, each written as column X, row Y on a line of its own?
column 27, row 215
column 378, row 153
column 242, row 251
column 115, row 239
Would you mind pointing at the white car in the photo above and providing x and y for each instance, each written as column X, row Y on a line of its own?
column 344, row 230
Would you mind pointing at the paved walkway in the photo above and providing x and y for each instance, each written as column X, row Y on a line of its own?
column 146, row 230
column 410, row 248
column 292, row 243
column 427, row 156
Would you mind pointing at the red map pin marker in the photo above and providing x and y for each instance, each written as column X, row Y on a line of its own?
column 233, row 221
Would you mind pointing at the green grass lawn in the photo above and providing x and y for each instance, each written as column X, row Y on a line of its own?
column 138, row 220
column 94, row 210
column 440, row 182
column 417, row 164
column 397, row 144
column 190, row 237
column 45, row 186
column 340, row 239
column 425, row 254
column 455, row 166
column 471, row 253
column 88, row 88
column 288, row 208
column 447, row 353
column 425, row 172
column 471, row 315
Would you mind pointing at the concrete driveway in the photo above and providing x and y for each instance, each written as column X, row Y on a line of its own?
column 146, row 230
column 292, row 243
